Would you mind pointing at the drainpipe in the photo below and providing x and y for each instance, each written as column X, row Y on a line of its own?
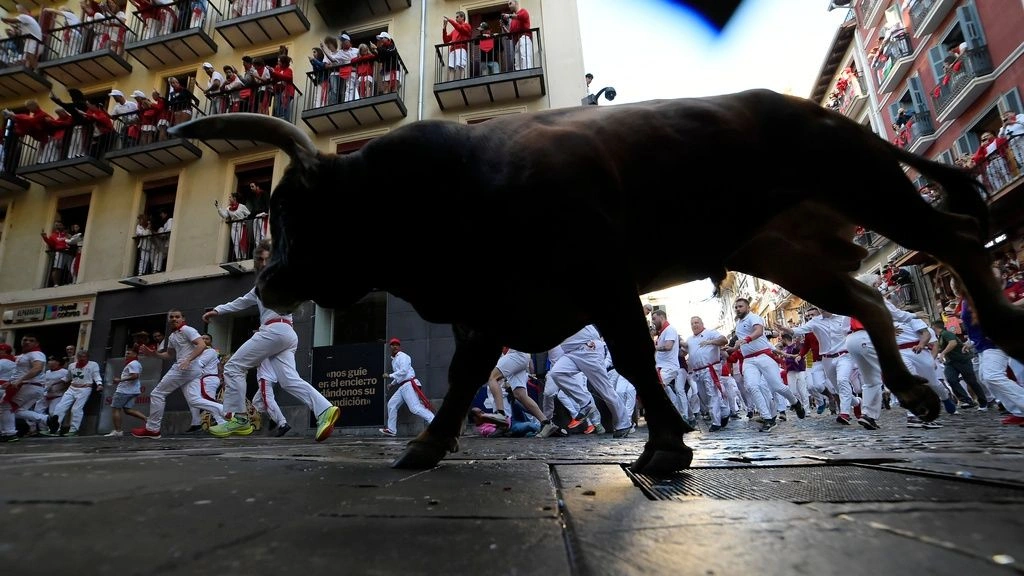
column 423, row 63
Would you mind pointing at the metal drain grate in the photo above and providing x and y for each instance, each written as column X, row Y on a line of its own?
column 818, row 484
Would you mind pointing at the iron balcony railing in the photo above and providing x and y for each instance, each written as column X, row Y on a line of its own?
column 865, row 8
column 245, row 235
column 179, row 16
column 277, row 99
column 240, row 8
column 61, row 268
column 353, row 82
column 852, row 88
column 13, row 50
column 889, row 52
column 1001, row 167
column 922, row 125
column 483, row 56
column 105, row 34
column 150, row 124
column 78, row 135
column 918, row 11
column 971, row 64
column 151, row 253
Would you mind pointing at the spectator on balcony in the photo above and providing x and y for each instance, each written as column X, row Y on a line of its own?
column 320, row 79
column 57, row 243
column 458, row 55
column 28, row 26
column 67, row 38
column 162, row 240
column 257, row 95
column 144, row 247
column 33, row 124
column 150, row 113
column 364, row 64
column 116, row 31
column 258, row 203
column 235, row 214
column 158, row 17
column 59, row 128
column 125, row 112
column 489, row 56
column 903, row 119
column 991, row 155
column 519, row 26
column 392, row 74
column 284, row 87
column 77, row 145
column 75, row 247
column 340, row 53
column 195, row 16
column 1013, row 131
column 179, row 105
column 233, row 88
column 213, row 89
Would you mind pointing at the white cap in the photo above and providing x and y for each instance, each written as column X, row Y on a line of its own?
column 117, row 93
column 345, row 37
column 139, row 94
column 384, row 35
column 207, row 65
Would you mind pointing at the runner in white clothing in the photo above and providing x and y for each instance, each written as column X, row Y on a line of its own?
column 23, row 390
column 408, row 390
column 84, row 376
column 276, row 340
column 264, row 399
column 666, row 360
column 704, row 356
column 205, row 386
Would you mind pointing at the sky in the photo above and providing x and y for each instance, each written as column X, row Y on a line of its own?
column 648, row 49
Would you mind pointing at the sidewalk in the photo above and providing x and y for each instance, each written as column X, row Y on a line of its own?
column 811, row 497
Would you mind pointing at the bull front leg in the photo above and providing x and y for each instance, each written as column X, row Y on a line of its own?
column 628, row 338
column 475, row 356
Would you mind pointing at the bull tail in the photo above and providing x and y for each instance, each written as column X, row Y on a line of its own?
column 963, row 192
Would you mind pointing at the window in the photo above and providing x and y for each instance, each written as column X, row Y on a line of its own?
column 186, row 79
column 1010, row 102
column 352, row 146
column 365, row 36
column 946, row 157
column 126, row 332
column 491, row 15
column 965, row 36
column 260, row 173
column 157, row 220
column 73, row 211
column 969, row 142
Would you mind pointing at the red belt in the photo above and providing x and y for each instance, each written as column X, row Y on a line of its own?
column 714, row 374
column 276, row 320
column 908, row 345
column 419, row 392
column 836, row 355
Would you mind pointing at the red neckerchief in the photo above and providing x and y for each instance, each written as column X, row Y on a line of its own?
column 33, row 349
column 127, row 361
column 233, row 205
column 178, row 329
column 7, row 357
column 663, row 326
column 81, row 363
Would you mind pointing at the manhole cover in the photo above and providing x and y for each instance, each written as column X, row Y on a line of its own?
column 817, row 484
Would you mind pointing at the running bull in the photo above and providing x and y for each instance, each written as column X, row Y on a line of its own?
column 521, row 230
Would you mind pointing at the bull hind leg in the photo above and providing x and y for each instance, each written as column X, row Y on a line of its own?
column 475, row 356
column 955, row 241
column 625, row 332
column 808, row 274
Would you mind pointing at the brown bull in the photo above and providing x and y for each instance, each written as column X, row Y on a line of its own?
column 573, row 192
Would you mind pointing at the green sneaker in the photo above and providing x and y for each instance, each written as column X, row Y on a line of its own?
column 233, row 427
column 325, row 422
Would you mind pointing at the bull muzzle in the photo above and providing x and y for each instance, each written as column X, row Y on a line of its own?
column 279, row 290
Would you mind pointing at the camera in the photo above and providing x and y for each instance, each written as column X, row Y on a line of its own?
column 506, row 17
column 610, row 94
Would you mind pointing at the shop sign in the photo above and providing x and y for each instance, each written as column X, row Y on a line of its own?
column 45, row 312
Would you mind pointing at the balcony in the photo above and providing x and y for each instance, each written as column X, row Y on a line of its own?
column 61, row 267
column 498, row 73
column 17, row 80
column 150, row 256
column 70, row 155
column 369, row 99
column 869, row 11
column 339, row 14
column 894, row 60
column 178, row 35
column 9, row 180
column 963, row 83
column 138, row 149
column 251, row 22
column 271, row 100
column 244, row 235
column 926, row 15
column 86, row 53
column 922, row 132
column 1001, row 169
column 854, row 95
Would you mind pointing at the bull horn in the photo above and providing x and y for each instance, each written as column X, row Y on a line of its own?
column 247, row 126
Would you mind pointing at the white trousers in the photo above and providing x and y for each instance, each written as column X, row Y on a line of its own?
column 717, row 403
column 676, row 394
column 591, row 363
column 552, row 391
column 205, row 388
column 765, row 372
column 863, row 354
column 993, row 374
column 24, row 400
column 838, row 370
column 73, row 399
column 626, row 391
column 174, row 379
column 278, row 342
column 264, row 401
column 524, row 53
column 407, row 395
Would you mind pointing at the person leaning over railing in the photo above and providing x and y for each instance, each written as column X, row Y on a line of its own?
column 31, row 124
column 284, row 87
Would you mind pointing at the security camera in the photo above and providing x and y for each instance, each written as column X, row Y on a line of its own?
column 609, row 93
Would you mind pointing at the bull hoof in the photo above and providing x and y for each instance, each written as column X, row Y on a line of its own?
column 921, row 400
column 663, row 459
column 424, row 453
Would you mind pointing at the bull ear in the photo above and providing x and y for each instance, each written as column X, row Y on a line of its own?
column 248, row 126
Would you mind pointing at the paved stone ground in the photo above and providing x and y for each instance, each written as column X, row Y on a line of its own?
column 809, row 498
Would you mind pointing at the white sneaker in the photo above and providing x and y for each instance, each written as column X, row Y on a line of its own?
column 114, row 433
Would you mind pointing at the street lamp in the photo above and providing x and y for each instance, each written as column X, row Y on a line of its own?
column 591, row 99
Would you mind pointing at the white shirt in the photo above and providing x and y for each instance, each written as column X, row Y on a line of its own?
column 127, row 108
column 248, row 300
column 130, row 386
column 1014, row 129
column 744, row 328
column 830, row 332
column 667, row 358
column 701, row 356
column 907, row 324
column 87, row 375
column 401, row 368
column 24, row 363
column 580, row 339
column 207, row 362
column 29, row 26
column 55, row 381
column 6, row 369
column 182, row 340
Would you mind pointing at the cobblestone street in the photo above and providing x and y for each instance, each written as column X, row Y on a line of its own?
column 809, row 497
